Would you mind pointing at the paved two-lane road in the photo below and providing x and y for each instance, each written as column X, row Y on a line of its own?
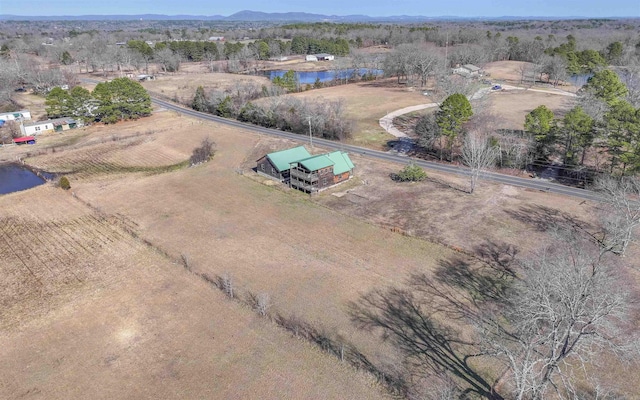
column 535, row 184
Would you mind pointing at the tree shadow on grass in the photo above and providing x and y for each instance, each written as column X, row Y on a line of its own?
column 544, row 219
column 425, row 317
column 446, row 185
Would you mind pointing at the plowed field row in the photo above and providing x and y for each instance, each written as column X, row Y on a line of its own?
column 40, row 256
column 133, row 155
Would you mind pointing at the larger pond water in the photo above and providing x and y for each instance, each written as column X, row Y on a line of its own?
column 310, row 77
column 14, row 178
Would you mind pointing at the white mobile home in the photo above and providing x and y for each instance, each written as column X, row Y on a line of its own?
column 23, row 115
column 51, row 125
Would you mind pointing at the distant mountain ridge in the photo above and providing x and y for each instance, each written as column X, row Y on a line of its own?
column 255, row 16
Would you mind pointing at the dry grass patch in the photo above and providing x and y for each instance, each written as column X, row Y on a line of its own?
column 102, row 315
column 182, row 86
column 439, row 209
column 310, row 260
column 366, row 103
column 511, row 106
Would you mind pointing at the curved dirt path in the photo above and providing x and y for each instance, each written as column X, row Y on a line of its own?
column 386, row 122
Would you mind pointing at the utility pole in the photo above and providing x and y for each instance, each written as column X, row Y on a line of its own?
column 310, row 135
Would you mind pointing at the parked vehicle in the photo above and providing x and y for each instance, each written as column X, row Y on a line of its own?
column 496, row 87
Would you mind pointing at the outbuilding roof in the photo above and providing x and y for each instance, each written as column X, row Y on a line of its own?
column 471, row 67
column 282, row 159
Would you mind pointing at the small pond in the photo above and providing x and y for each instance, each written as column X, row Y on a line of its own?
column 310, row 77
column 579, row 79
column 14, row 178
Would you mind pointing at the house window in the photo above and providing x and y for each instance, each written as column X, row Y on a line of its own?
column 37, row 128
column 262, row 167
column 324, row 181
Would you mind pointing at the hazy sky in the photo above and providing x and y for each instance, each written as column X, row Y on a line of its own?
column 463, row 8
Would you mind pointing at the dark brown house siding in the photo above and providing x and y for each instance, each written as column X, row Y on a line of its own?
column 265, row 167
column 311, row 181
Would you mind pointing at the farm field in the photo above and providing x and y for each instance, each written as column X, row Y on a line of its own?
column 311, row 261
column 89, row 311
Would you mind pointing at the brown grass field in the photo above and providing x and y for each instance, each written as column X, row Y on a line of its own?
column 366, row 103
column 91, row 312
column 511, row 106
column 96, row 305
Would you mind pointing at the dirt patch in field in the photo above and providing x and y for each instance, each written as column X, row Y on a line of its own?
column 506, row 70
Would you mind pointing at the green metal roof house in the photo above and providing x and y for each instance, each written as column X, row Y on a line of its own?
column 321, row 171
column 276, row 165
column 306, row 172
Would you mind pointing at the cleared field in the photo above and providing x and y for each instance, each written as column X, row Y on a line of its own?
column 366, row 103
column 91, row 312
column 182, row 86
column 511, row 106
column 310, row 260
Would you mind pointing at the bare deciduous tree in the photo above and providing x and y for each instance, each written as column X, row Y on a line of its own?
column 621, row 214
column 203, row 153
column 536, row 324
column 478, row 154
column 566, row 307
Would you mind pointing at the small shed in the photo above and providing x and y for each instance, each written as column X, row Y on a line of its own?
column 25, row 140
column 277, row 165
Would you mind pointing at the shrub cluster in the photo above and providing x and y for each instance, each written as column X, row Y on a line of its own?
column 202, row 153
column 411, row 173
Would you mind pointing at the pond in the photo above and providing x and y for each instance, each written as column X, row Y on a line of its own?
column 579, row 79
column 310, row 77
column 14, row 178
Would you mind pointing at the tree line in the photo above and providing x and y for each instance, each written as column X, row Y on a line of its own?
column 266, row 106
